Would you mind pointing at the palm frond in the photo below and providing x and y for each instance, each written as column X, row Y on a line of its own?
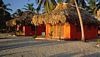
column 39, row 5
column 64, row 13
column 59, row 1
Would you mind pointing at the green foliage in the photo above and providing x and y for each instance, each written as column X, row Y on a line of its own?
column 59, row 1
column 23, row 17
column 51, row 30
column 47, row 4
column 51, row 33
column 93, row 6
column 29, row 7
column 34, row 36
column 98, row 40
column 18, row 13
column 4, row 14
column 19, row 30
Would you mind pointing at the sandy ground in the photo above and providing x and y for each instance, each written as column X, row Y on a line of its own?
column 67, row 49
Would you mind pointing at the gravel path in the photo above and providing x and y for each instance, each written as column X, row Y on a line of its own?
column 66, row 49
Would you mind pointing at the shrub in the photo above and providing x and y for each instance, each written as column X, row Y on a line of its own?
column 34, row 36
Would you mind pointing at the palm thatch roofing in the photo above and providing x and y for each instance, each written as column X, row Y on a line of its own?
column 11, row 22
column 25, row 19
column 64, row 13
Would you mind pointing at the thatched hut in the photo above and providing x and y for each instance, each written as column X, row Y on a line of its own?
column 11, row 22
column 22, row 24
column 63, row 23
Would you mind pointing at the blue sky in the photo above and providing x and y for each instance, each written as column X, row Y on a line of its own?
column 18, row 4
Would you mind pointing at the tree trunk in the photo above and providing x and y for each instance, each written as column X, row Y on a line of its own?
column 81, row 23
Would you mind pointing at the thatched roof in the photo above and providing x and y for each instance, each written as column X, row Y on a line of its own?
column 25, row 15
column 64, row 13
column 11, row 22
column 25, row 18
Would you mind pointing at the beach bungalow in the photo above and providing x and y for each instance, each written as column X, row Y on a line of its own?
column 63, row 23
column 23, row 25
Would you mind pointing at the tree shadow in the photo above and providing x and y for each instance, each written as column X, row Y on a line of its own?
column 39, row 43
column 74, row 54
column 93, row 55
column 65, row 54
column 15, row 53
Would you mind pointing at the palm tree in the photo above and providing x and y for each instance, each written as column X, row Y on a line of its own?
column 4, row 14
column 93, row 6
column 29, row 7
column 81, row 22
column 4, row 6
column 18, row 13
column 30, row 10
column 82, row 4
column 48, row 5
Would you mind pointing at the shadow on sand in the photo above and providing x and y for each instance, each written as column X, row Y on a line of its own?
column 77, row 54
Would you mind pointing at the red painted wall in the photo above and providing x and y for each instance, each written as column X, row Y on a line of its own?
column 74, row 32
column 28, row 30
column 40, row 29
column 91, row 32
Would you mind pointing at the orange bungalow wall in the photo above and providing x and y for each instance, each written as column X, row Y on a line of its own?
column 63, row 30
column 69, row 31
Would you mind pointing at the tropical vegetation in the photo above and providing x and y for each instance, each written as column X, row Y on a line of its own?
column 4, row 15
column 93, row 7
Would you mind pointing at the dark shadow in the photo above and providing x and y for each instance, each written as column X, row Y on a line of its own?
column 15, row 40
column 93, row 55
column 34, row 43
column 76, row 53
column 14, row 53
column 65, row 54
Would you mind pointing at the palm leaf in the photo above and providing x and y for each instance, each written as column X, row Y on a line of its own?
column 40, row 2
column 9, row 9
column 46, row 6
column 53, row 2
column 59, row 1
column 24, row 8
